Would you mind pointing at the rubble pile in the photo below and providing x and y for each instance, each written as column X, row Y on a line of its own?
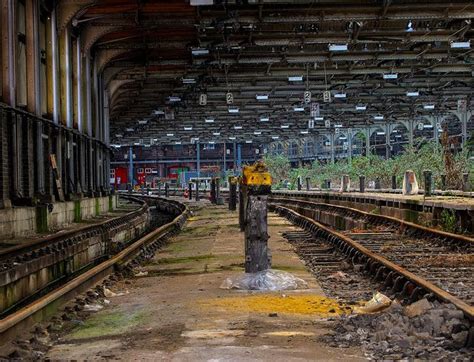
column 424, row 330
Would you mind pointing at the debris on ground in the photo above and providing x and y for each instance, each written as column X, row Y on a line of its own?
column 269, row 279
column 92, row 307
column 378, row 302
column 423, row 330
column 141, row 274
column 110, row 294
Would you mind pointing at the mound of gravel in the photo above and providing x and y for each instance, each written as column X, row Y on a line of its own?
column 425, row 330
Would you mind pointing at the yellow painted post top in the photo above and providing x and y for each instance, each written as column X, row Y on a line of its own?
column 256, row 175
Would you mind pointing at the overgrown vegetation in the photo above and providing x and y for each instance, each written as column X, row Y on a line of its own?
column 424, row 156
column 448, row 221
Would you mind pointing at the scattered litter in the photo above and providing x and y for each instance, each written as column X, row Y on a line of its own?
column 141, row 274
column 273, row 314
column 92, row 307
column 265, row 280
column 340, row 276
column 378, row 302
column 106, row 301
column 109, row 294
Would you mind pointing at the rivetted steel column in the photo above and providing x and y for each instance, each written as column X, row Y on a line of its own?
column 198, row 160
column 130, row 168
column 11, row 51
column 55, row 66
column 239, row 156
column 80, row 115
column 88, row 100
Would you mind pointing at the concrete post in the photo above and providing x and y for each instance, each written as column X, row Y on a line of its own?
column 190, row 189
column 394, row 182
column 167, row 189
column 362, row 184
column 213, row 191
column 308, row 185
column 232, row 194
column 466, row 187
column 299, row 183
column 377, row 184
column 427, row 174
column 443, row 182
column 218, row 191
column 241, row 209
column 197, row 190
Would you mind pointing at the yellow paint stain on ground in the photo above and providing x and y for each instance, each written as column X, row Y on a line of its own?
column 271, row 303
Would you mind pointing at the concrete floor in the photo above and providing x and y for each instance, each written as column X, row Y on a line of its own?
column 179, row 312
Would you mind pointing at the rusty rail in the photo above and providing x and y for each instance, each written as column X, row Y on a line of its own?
column 405, row 226
column 41, row 245
column 42, row 308
column 373, row 262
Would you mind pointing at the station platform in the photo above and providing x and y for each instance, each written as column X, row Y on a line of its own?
column 420, row 209
column 177, row 310
column 121, row 208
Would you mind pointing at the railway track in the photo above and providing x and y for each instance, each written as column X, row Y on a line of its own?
column 409, row 260
column 46, row 305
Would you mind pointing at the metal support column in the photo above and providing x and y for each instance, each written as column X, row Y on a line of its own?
column 367, row 141
column 197, row 190
column 224, row 168
column 198, row 160
column 130, row 169
column 349, row 144
column 239, row 156
column 213, row 191
column 410, row 132
column 387, row 142
column 333, row 140
column 4, row 159
column 232, row 193
column 234, row 155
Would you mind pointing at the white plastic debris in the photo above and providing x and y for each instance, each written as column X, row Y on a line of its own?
column 265, row 280
column 92, row 307
column 378, row 302
column 141, row 274
column 110, row 294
